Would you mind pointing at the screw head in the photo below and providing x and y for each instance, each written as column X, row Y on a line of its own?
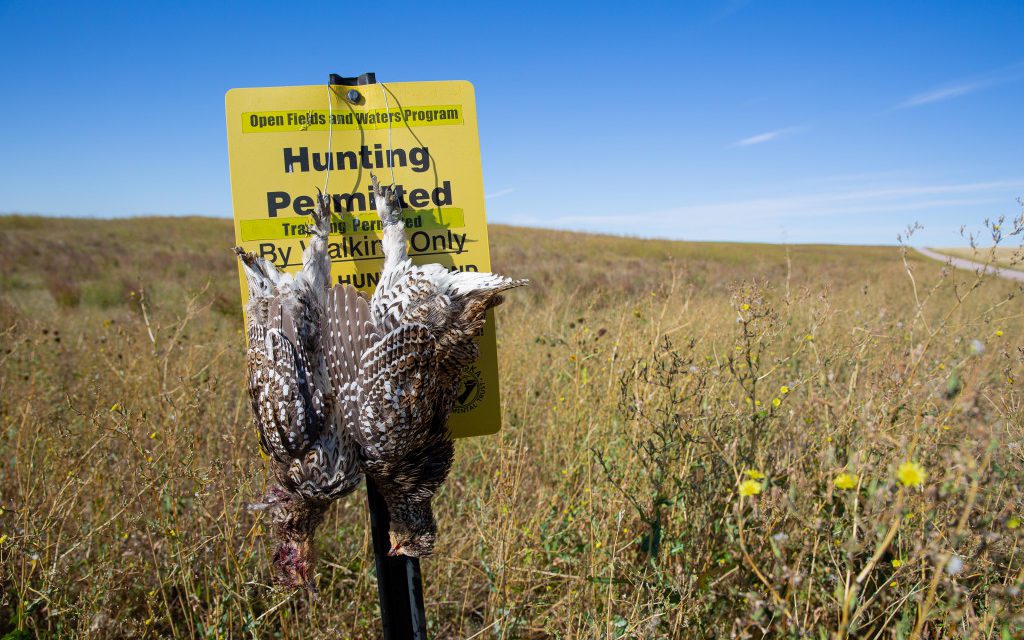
column 353, row 96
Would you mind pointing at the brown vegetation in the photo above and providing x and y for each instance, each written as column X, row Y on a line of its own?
column 646, row 385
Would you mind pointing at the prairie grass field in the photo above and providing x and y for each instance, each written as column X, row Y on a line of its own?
column 700, row 440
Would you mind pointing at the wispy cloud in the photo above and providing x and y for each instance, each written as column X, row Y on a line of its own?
column 865, row 200
column 945, row 93
column 829, row 215
column 767, row 136
column 964, row 87
column 499, row 193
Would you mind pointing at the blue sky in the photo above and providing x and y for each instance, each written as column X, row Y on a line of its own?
column 755, row 121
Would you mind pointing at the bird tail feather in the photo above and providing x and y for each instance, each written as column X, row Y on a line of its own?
column 349, row 332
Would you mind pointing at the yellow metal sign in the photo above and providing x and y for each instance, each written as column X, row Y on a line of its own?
column 284, row 142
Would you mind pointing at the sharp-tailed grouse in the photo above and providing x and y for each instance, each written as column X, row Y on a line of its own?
column 293, row 383
column 425, row 318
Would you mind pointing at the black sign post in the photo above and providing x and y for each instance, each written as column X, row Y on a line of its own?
column 399, row 586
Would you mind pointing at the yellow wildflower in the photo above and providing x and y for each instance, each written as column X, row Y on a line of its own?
column 776, row 402
column 754, row 474
column 783, row 389
column 809, row 338
column 846, row 481
column 750, row 488
column 897, row 563
column 999, row 333
column 3, row 538
column 1013, row 523
column 744, row 306
column 911, row 474
column 116, row 406
column 894, row 584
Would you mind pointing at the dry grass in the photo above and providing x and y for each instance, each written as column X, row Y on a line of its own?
column 643, row 382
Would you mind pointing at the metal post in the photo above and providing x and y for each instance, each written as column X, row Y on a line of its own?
column 398, row 578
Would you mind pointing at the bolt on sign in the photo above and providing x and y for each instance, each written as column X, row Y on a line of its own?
column 285, row 142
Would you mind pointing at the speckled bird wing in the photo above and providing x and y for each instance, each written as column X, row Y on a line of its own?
column 395, row 397
column 288, row 410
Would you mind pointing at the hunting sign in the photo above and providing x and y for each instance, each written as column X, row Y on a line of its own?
column 286, row 142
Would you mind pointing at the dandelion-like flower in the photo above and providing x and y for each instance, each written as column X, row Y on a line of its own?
column 750, row 488
column 783, row 389
column 846, row 481
column 897, row 563
column 911, row 474
column 754, row 474
column 776, row 402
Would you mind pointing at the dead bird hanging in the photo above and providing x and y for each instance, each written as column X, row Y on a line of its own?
column 424, row 321
column 340, row 385
column 296, row 409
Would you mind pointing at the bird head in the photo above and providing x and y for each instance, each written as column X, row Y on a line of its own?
column 295, row 520
column 293, row 564
column 413, row 532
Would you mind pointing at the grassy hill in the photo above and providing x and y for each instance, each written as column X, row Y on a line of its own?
column 700, row 440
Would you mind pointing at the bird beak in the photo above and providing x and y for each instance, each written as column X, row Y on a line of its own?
column 395, row 551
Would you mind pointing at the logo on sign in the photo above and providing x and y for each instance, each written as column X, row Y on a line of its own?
column 472, row 390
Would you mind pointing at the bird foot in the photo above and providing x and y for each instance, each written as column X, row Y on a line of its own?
column 322, row 214
column 247, row 257
column 389, row 207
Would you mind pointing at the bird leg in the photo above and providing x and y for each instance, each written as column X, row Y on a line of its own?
column 314, row 259
column 389, row 208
